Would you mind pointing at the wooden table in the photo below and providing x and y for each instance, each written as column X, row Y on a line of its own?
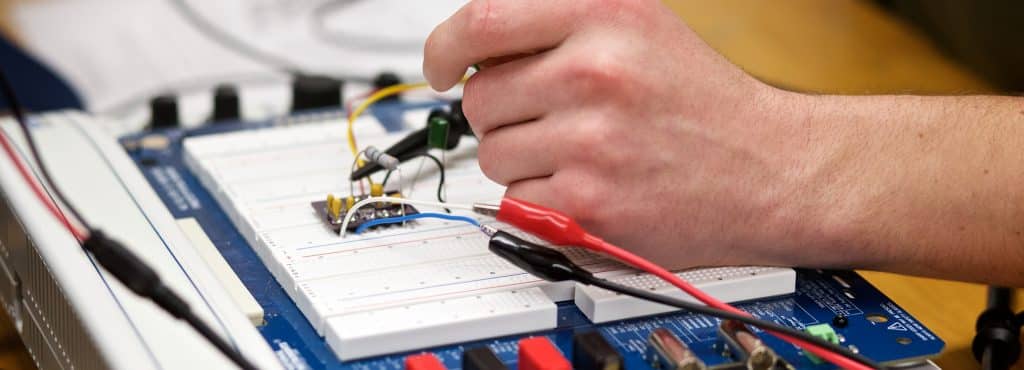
column 824, row 46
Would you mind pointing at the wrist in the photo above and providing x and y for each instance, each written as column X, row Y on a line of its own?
column 816, row 203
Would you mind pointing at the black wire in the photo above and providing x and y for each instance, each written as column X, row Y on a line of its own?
column 19, row 116
column 217, row 341
column 693, row 307
column 126, row 266
column 440, row 183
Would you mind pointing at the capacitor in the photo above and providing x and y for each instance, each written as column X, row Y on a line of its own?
column 377, row 190
column 437, row 132
column 748, row 347
column 667, row 352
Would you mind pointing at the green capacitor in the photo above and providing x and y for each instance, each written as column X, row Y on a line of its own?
column 437, row 132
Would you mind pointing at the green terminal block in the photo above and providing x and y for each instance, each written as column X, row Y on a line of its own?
column 823, row 331
column 437, row 133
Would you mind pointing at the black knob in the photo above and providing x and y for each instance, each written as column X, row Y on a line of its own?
column 163, row 111
column 387, row 79
column 315, row 92
column 226, row 106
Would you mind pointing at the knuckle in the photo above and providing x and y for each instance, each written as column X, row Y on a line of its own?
column 600, row 74
column 490, row 161
column 593, row 135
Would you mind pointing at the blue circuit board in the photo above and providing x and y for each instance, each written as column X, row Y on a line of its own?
column 891, row 335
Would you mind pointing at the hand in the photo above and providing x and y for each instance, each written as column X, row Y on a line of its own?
column 616, row 113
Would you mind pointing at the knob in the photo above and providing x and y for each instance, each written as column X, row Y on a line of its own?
column 387, row 79
column 226, row 106
column 315, row 92
column 164, row 112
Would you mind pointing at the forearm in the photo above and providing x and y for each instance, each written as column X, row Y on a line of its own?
column 921, row 185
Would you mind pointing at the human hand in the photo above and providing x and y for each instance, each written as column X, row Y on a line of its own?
column 616, row 113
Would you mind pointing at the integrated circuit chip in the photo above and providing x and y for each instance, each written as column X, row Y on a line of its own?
column 373, row 211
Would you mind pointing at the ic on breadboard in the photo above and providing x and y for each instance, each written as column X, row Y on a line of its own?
column 333, row 210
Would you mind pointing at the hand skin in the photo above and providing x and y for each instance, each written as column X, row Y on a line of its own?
column 616, row 113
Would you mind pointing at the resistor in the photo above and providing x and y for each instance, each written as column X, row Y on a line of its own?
column 378, row 156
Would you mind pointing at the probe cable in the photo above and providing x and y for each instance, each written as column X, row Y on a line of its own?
column 117, row 259
column 551, row 265
column 440, row 183
column 559, row 229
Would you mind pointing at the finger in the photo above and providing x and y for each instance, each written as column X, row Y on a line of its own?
column 522, row 151
column 484, row 29
column 538, row 190
column 508, row 93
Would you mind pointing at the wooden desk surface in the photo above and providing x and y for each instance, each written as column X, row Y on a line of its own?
column 831, row 46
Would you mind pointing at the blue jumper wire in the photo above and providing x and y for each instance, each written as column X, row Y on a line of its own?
column 395, row 220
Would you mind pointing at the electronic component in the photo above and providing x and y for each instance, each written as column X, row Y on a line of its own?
column 387, row 79
column 418, row 142
column 379, row 157
column 334, row 209
column 840, row 321
column 226, row 105
column 538, row 353
column 667, row 352
column 315, row 92
column 423, row 361
column 481, row 358
column 437, row 132
column 823, row 331
column 163, row 112
column 591, row 351
column 747, row 347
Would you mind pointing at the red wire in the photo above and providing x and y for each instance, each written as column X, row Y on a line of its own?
column 559, row 229
column 594, row 243
column 37, row 189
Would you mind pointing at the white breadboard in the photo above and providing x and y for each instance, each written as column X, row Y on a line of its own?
column 265, row 180
column 728, row 284
column 440, row 322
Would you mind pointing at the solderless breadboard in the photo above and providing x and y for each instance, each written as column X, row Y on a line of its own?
column 380, row 292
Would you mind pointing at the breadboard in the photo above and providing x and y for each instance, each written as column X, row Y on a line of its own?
column 728, row 284
column 265, row 180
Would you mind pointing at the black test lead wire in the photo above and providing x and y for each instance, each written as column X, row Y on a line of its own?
column 551, row 265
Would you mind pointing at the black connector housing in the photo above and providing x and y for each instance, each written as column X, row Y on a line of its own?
column 481, row 358
column 591, row 351
column 539, row 261
column 135, row 274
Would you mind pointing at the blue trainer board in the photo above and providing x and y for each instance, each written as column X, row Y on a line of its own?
column 892, row 336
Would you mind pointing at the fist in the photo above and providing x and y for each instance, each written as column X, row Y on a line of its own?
column 616, row 113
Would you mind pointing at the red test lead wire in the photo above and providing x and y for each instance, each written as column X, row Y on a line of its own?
column 38, row 190
column 559, row 229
